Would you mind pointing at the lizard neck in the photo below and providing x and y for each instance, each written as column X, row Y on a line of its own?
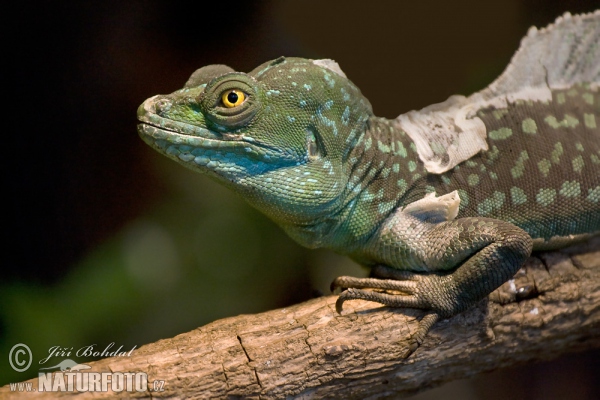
column 383, row 172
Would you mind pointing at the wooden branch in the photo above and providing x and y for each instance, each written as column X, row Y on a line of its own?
column 309, row 351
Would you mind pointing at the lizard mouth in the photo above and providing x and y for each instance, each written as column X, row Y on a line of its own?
column 193, row 143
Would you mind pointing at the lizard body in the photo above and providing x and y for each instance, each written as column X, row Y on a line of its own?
column 445, row 204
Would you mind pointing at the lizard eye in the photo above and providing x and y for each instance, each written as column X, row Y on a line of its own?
column 232, row 98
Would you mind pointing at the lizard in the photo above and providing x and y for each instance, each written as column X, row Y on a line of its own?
column 444, row 204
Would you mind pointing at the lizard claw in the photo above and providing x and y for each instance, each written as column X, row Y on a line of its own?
column 393, row 300
column 339, row 303
column 336, row 284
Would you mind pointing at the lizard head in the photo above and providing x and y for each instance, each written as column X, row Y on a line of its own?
column 279, row 135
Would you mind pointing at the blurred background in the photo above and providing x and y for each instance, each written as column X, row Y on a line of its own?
column 108, row 241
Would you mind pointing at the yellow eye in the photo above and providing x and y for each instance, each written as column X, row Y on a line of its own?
column 233, row 98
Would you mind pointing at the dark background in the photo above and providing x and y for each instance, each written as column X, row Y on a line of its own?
column 107, row 241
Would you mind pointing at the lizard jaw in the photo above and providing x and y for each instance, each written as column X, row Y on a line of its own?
column 197, row 146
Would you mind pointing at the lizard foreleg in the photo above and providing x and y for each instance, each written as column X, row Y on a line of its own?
column 488, row 252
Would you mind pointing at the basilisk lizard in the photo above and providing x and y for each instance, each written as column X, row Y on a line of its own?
column 444, row 204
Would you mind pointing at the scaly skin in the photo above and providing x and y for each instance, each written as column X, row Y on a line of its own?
column 299, row 141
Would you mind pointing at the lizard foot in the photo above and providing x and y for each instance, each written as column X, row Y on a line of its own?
column 408, row 289
column 406, row 294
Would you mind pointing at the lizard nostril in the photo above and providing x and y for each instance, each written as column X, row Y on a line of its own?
column 162, row 106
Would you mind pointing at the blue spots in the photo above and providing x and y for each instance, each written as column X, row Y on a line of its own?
column 495, row 202
column 330, row 81
column 345, row 94
column 324, row 120
column 384, row 207
column 570, row 189
column 546, row 196
column 473, row 179
column 400, row 149
column 518, row 196
column 578, row 163
column 402, row 185
column 493, row 154
column 568, row 122
column 498, row 114
column 291, row 119
column 307, row 86
column 302, row 103
column 556, row 153
column 594, row 195
column 544, row 167
column 346, row 116
column 500, row 134
column 464, row 198
column 273, row 92
column 384, row 148
column 529, row 126
column 519, row 168
column 366, row 196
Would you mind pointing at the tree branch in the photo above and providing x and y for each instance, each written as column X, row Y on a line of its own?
column 309, row 351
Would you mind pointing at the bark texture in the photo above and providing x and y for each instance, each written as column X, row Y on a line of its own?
column 551, row 307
